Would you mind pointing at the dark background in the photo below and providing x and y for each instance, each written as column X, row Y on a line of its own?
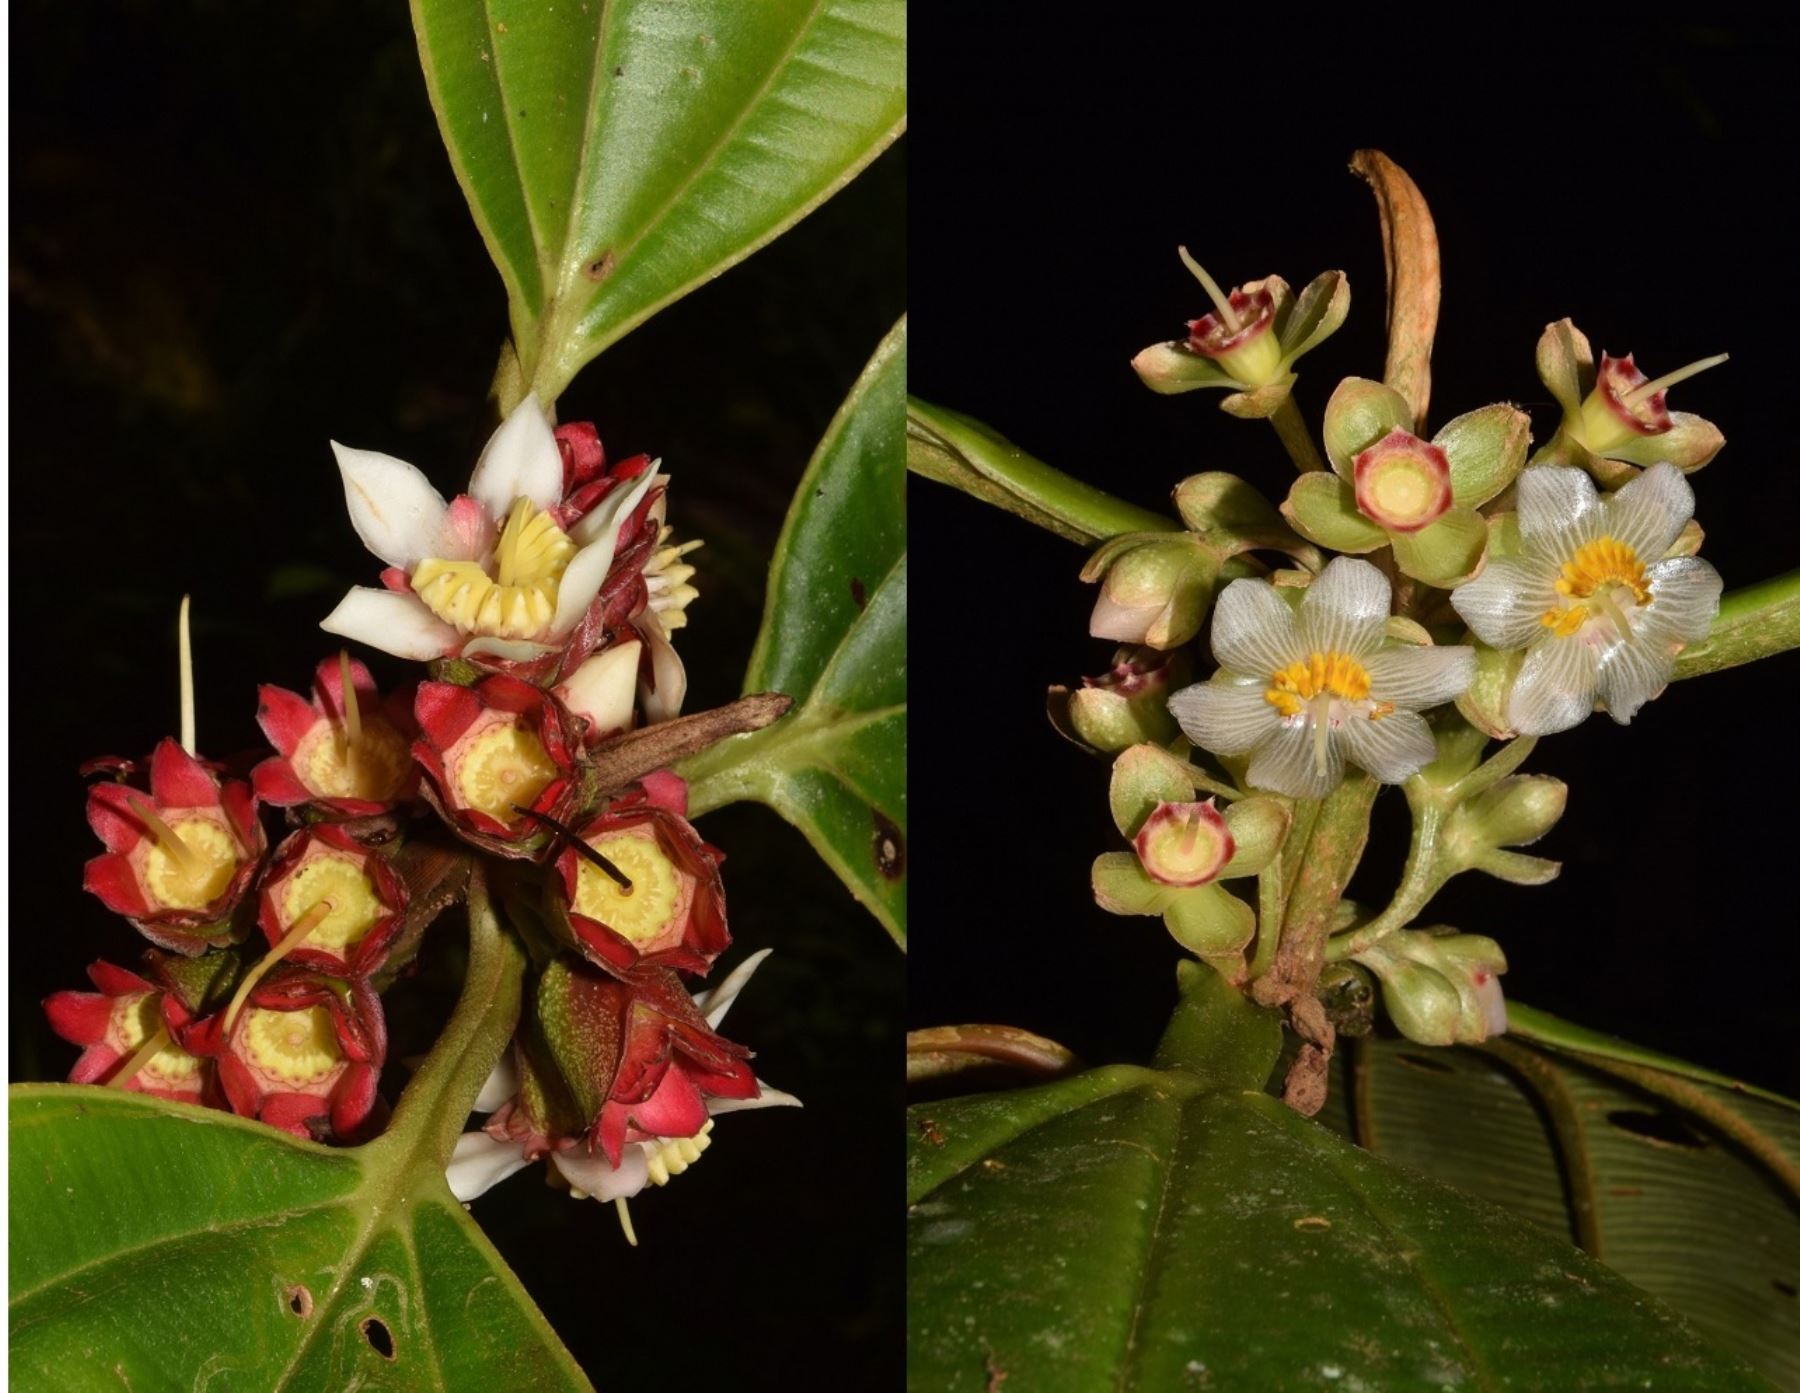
column 1637, row 177
column 236, row 236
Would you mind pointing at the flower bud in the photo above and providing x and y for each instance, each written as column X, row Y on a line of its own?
column 1130, row 704
column 1156, row 590
column 1516, row 811
column 1440, row 988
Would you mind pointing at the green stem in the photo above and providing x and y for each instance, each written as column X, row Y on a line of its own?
column 1755, row 622
column 1295, row 437
column 436, row 1103
column 1332, row 853
column 955, row 449
column 1277, row 881
column 1418, row 883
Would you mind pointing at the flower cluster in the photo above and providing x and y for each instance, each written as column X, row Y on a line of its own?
column 1486, row 594
column 542, row 601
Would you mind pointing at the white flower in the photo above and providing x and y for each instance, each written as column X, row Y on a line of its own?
column 1301, row 694
column 491, row 572
column 1590, row 598
column 481, row 1162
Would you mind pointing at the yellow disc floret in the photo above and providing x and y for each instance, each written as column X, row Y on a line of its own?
column 503, row 765
column 641, row 915
column 1334, row 674
column 371, row 767
column 337, row 879
column 298, row 1047
column 198, row 872
column 134, row 1019
column 519, row 601
column 1599, row 572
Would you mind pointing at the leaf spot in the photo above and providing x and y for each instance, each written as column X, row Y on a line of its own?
column 600, row 267
column 859, row 593
column 380, row 1338
column 929, row 1130
column 1787, row 1289
column 1313, row 1223
column 300, row 1301
column 890, row 848
column 1657, row 1128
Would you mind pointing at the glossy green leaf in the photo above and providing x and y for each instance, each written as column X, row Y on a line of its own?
column 1683, row 1181
column 834, row 639
column 1175, row 1227
column 618, row 153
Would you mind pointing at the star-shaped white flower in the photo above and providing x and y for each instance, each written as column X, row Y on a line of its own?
column 1592, row 596
column 481, row 1162
column 491, row 572
column 1302, row 694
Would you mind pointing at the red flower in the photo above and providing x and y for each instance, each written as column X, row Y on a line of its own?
column 177, row 862
column 352, row 763
column 491, row 749
column 367, row 898
column 115, row 1024
column 674, row 913
column 304, row 1054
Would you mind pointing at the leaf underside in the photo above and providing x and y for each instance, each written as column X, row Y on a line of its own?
column 198, row 1250
column 834, row 638
column 1688, row 1191
column 616, row 154
column 1132, row 1230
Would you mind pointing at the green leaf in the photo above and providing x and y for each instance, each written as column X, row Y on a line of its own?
column 1685, row 1182
column 1136, row 1229
column 834, row 639
column 618, row 153
column 158, row 1245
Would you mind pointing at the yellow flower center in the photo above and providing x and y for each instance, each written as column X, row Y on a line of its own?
column 502, row 766
column 340, row 879
column 298, row 1047
column 643, row 915
column 519, row 600
column 1322, row 674
column 134, row 1019
column 196, row 877
column 371, row 767
column 1598, row 576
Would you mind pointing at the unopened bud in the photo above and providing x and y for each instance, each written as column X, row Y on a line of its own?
column 1156, row 590
column 1516, row 811
column 1440, row 988
column 1130, row 704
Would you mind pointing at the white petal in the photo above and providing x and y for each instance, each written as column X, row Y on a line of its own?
column 393, row 622
column 480, row 1162
column 393, row 507
column 586, row 572
column 609, row 512
column 520, row 461
column 1253, row 630
column 766, row 1098
column 515, row 650
column 1506, row 602
column 1684, row 599
column 1415, row 678
column 717, row 1002
column 1556, row 506
column 1345, row 608
column 1287, row 763
column 1555, row 687
column 502, row 1084
column 1631, row 674
column 1493, row 1006
column 1649, row 512
column 603, row 689
column 1227, row 718
column 1393, row 748
column 663, row 701
column 595, row 1174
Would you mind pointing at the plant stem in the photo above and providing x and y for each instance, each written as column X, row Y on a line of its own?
column 1332, row 853
column 1418, row 883
column 957, row 450
column 1290, row 425
column 437, row 1101
column 1277, row 881
column 1755, row 622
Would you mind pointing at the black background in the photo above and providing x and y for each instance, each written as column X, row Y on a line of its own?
column 1637, row 177
column 237, row 236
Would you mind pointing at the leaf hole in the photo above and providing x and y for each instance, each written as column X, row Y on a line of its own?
column 380, row 1338
column 889, row 847
column 1657, row 1128
column 1313, row 1223
column 1787, row 1289
column 299, row 1301
column 600, row 267
column 1424, row 1063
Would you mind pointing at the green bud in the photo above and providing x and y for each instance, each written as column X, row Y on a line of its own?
column 1156, row 590
column 1440, row 987
column 1130, row 704
column 1516, row 811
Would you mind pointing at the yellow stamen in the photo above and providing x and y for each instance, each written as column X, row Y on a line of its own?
column 290, row 940
column 186, row 645
column 624, row 1212
column 1221, row 301
column 144, row 1054
column 352, row 717
column 1320, row 674
column 670, row 1156
column 503, row 768
column 1597, row 573
column 532, row 555
column 642, row 912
